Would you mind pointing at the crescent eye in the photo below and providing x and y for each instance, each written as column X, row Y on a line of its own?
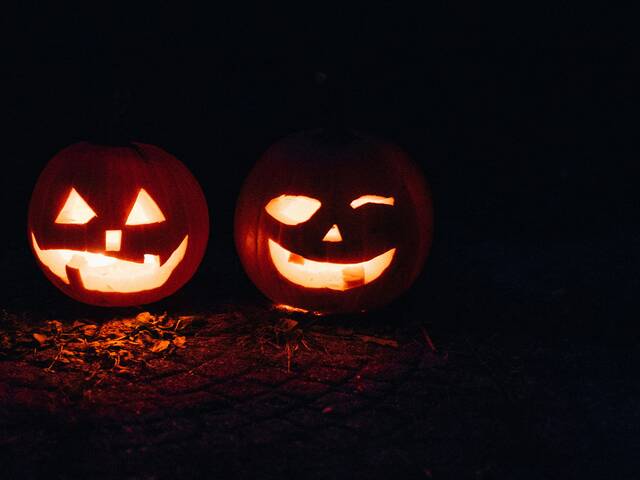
column 145, row 210
column 364, row 199
column 292, row 209
column 76, row 210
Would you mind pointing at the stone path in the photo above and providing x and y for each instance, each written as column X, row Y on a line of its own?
column 264, row 394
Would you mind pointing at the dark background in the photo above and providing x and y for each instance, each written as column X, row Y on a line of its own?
column 522, row 121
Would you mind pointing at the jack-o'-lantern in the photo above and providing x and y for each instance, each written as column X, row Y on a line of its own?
column 333, row 222
column 117, row 225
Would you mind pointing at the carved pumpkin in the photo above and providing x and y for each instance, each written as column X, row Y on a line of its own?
column 117, row 225
column 333, row 222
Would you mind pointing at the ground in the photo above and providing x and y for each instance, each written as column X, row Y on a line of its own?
column 474, row 385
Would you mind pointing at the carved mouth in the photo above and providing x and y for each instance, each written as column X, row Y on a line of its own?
column 102, row 273
column 334, row 276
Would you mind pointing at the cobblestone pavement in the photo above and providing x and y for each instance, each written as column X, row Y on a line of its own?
column 531, row 373
column 363, row 401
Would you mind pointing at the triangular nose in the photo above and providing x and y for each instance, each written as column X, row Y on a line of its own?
column 333, row 235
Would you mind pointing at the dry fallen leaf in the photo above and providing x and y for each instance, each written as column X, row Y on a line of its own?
column 76, row 324
column 160, row 346
column 89, row 330
column 125, row 356
column 179, row 342
column 144, row 317
column 55, row 325
column 145, row 338
column 40, row 338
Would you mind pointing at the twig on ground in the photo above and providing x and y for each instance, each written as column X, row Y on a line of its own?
column 428, row 339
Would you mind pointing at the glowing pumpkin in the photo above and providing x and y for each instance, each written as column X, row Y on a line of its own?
column 333, row 222
column 117, row 225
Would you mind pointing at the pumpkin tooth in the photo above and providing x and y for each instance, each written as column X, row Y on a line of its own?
column 73, row 277
column 295, row 258
column 151, row 259
column 353, row 276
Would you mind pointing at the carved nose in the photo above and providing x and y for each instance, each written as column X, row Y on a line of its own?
column 112, row 239
column 333, row 235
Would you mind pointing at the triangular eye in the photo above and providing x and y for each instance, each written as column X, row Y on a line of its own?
column 75, row 210
column 145, row 210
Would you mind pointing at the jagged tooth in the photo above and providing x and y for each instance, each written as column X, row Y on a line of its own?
column 295, row 258
column 353, row 276
column 74, row 277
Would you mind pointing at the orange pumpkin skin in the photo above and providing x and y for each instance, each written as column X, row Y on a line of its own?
column 334, row 169
column 109, row 179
